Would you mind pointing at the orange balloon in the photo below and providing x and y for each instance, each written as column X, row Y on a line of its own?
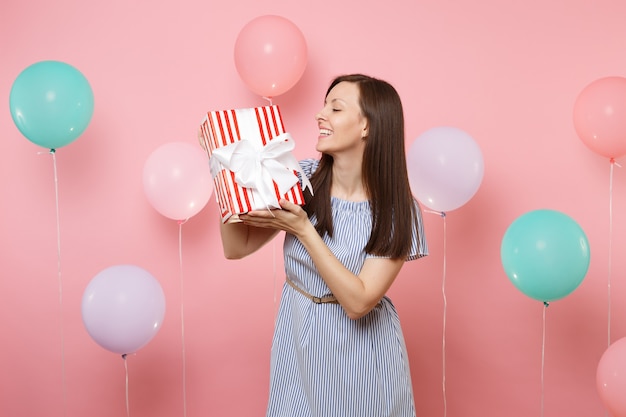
column 600, row 116
column 611, row 378
column 270, row 55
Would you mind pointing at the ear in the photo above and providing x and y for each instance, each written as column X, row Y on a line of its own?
column 365, row 130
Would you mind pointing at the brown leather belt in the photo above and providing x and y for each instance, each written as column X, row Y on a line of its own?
column 329, row 299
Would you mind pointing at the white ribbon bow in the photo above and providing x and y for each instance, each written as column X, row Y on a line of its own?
column 255, row 168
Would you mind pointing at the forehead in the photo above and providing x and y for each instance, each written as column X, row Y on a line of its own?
column 345, row 91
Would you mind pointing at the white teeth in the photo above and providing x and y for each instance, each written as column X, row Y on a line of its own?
column 325, row 132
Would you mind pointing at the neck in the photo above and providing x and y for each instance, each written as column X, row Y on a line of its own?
column 347, row 180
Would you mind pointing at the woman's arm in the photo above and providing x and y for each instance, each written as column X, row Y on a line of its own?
column 240, row 240
column 357, row 294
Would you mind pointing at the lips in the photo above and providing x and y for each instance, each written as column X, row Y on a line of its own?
column 325, row 132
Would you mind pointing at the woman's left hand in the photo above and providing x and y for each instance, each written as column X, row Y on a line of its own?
column 290, row 218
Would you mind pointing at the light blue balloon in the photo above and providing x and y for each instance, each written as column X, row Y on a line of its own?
column 545, row 254
column 51, row 103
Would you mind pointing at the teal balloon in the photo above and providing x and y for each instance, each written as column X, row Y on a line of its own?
column 545, row 254
column 51, row 103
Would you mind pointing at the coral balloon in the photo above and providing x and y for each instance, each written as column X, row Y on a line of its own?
column 545, row 254
column 123, row 308
column 445, row 167
column 177, row 180
column 51, row 103
column 600, row 116
column 270, row 55
column 611, row 378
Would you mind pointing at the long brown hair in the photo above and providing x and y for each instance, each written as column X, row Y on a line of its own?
column 384, row 172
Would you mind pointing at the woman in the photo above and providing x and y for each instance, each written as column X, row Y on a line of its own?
column 338, row 348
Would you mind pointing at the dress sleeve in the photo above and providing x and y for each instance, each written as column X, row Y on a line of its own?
column 419, row 247
column 308, row 167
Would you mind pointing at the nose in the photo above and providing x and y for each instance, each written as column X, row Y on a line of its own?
column 319, row 116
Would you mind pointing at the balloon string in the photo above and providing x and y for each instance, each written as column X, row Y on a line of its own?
column 543, row 355
column 126, row 371
column 268, row 99
column 445, row 308
column 274, row 274
column 613, row 163
column 52, row 152
column 182, row 313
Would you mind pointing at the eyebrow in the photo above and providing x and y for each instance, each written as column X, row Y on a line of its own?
column 338, row 99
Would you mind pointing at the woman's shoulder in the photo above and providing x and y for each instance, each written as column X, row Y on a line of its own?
column 309, row 166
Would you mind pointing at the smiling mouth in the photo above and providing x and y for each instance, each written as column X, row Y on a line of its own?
column 325, row 132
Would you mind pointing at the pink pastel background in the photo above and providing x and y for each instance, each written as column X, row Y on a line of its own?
column 506, row 72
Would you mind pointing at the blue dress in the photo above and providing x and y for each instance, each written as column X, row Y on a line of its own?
column 324, row 364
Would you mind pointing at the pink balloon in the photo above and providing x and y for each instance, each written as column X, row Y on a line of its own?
column 123, row 308
column 611, row 378
column 600, row 116
column 177, row 180
column 445, row 167
column 270, row 55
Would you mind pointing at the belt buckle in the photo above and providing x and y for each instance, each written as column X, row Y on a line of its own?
column 316, row 300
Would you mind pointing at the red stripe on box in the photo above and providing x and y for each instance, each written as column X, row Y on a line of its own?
column 299, row 196
column 271, row 134
column 260, row 125
column 228, row 204
column 276, row 191
column 280, row 117
column 230, row 186
column 219, row 185
column 236, row 124
column 296, row 192
column 294, row 198
column 238, row 190
column 247, row 193
column 228, row 127
column 221, row 199
column 267, row 124
column 222, row 131
column 276, row 130
column 219, row 195
column 227, row 189
column 236, row 198
column 213, row 133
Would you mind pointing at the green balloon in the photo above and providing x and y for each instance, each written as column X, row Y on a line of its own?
column 545, row 254
column 51, row 103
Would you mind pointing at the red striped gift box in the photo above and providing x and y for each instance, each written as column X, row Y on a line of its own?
column 223, row 133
